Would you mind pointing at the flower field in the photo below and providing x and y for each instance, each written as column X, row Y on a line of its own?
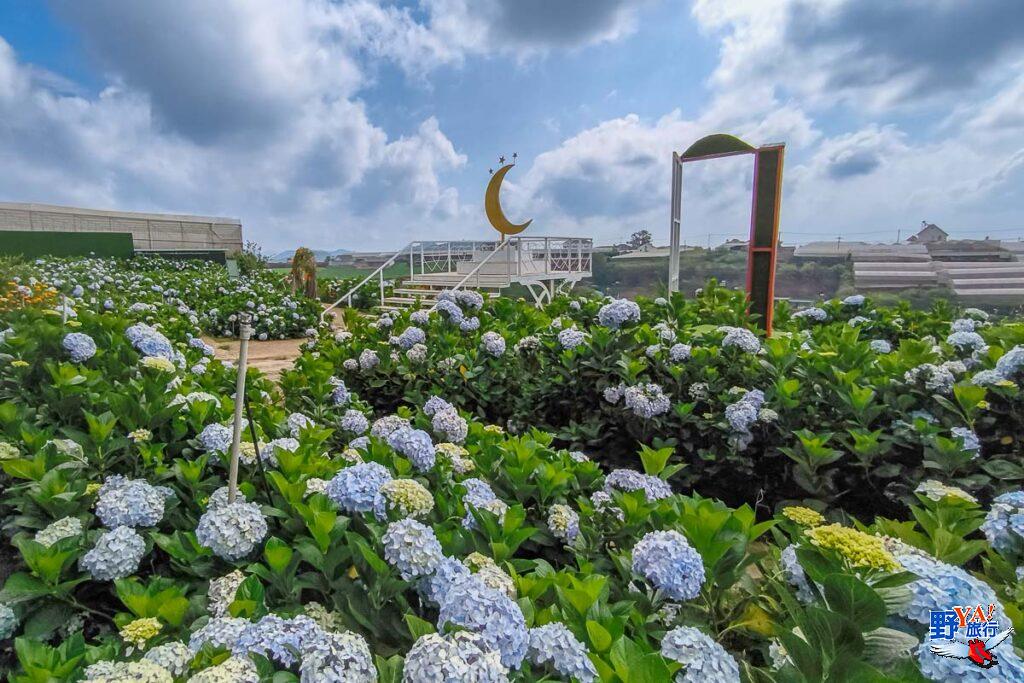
column 599, row 490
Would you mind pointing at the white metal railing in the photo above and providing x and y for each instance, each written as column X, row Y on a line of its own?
column 525, row 257
column 503, row 245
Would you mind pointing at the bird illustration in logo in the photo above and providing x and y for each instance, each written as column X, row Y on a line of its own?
column 978, row 651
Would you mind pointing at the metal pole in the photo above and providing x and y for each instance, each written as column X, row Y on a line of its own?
column 382, row 288
column 448, row 268
column 244, row 331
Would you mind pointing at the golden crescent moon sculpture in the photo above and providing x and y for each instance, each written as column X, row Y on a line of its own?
column 492, row 205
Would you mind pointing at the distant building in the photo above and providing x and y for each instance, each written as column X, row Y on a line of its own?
column 734, row 245
column 154, row 232
column 928, row 233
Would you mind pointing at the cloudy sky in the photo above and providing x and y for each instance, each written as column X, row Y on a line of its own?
column 365, row 124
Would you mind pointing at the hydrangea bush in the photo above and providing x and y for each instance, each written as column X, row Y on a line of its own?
column 491, row 516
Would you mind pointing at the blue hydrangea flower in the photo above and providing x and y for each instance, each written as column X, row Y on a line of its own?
column 617, row 313
column 414, row 444
column 814, row 313
column 354, row 489
column 267, row 452
column 968, row 439
column 368, row 359
column 555, row 645
column 564, row 523
column 742, row 415
column 880, row 346
column 278, row 639
column 232, row 530
column 215, row 438
column 963, row 325
column 80, row 347
column 469, row 324
column 741, row 338
column 450, row 309
column 1004, row 523
column 940, row 585
column 8, row 621
column 337, row 658
column 450, row 425
column 383, row 426
column 795, row 574
column 436, row 404
column 150, row 342
column 1011, row 363
column 704, row 660
column 204, row 348
column 412, row 548
column 570, row 338
column 435, row 587
column 478, row 492
column 130, row 502
column 340, row 394
column 631, row 480
column 491, row 614
column 680, row 352
column 116, row 554
column 646, row 400
column 354, row 421
column 218, row 632
column 493, row 343
column 967, row 342
column 670, row 564
column 451, row 658
column 854, row 300
column 410, row 337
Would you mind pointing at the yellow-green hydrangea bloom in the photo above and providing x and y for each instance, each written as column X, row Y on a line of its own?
column 858, row 548
column 408, row 497
column 803, row 516
column 140, row 631
column 936, row 491
column 158, row 363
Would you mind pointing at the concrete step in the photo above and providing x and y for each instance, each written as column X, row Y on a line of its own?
column 1008, row 293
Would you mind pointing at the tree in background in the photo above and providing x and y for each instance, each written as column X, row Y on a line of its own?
column 640, row 238
column 303, row 275
column 251, row 258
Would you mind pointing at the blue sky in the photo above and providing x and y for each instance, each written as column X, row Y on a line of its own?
column 365, row 124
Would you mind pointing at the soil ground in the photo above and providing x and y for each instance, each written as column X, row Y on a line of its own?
column 272, row 357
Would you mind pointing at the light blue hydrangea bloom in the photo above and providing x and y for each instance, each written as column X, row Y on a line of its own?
column 741, row 338
column 414, row 444
column 880, row 346
column 571, row 337
column 646, row 400
column 277, row 638
column 116, row 554
column 436, row 404
column 670, row 564
column 412, row 548
column 8, row 621
column 795, row 574
column 469, row 324
column 340, row 395
column 354, row 489
column 354, row 421
column 410, row 337
column 337, row 658
column 1004, row 523
column 631, row 480
column 617, row 313
column 450, row 425
column 1011, row 363
column 491, row 614
column 130, row 502
column 80, row 347
column 218, row 632
column 493, row 343
column 704, row 660
column 215, row 438
column 436, row 586
column 680, row 352
column 232, row 530
column 814, row 313
column 450, row 309
column 555, row 645
column 453, row 658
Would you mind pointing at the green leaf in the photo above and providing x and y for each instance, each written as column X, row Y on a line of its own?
column 654, row 461
column 600, row 638
column 278, row 554
column 854, row 599
column 418, row 627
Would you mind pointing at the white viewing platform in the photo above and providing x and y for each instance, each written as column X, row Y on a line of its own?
column 544, row 265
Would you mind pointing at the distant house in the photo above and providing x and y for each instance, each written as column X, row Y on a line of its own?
column 928, row 233
column 734, row 245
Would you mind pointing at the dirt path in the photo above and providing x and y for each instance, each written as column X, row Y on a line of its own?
column 272, row 357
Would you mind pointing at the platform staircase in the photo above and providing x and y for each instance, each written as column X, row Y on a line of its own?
column 544, row 265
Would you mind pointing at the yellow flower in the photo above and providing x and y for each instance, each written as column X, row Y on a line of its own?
column 494, row 429
column 158, row 363
column 74, row 323
column 858, row 548
column 140, row 631
column 8, row 451
column 92, row 488
column 803, row 516
column 19, row 364
column 477, row 561
column 451, row 449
